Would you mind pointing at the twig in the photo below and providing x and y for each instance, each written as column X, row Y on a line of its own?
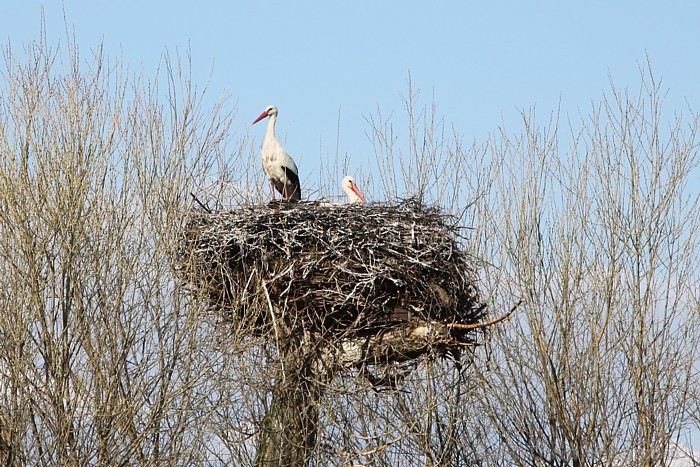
column 200, row 203
column 367, row 452
column 467, row 327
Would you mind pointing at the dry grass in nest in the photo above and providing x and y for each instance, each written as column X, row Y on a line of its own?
column 338, row 269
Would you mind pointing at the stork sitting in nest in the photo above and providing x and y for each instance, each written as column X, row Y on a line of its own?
column 350, row 187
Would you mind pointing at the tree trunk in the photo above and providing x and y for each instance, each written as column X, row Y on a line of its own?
column 289, row 429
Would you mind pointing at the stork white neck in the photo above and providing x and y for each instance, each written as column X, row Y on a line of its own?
column 271, row 121
column 271, row 145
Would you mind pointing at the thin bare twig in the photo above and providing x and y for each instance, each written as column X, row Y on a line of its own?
column 486, row 323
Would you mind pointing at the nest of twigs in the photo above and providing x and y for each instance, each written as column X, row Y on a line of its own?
column 349, row 270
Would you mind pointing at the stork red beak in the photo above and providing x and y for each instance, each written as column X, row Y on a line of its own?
column 262, row 115
column 358, row 193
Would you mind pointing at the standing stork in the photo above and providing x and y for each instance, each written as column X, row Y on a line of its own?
column 354, row 193
column 277, row 164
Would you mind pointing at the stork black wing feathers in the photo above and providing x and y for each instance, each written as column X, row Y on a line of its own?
column 293, row 185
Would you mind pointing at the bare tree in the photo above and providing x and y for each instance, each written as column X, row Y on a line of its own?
column 602, row 241
column 99, row 354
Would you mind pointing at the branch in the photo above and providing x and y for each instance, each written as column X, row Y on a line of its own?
column 371, row 451
column 200, row 203
column 467, row 327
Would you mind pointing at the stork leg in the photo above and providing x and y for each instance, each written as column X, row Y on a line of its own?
column 272, row 185
column 290, row 182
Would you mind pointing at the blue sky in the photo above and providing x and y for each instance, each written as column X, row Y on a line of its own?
column 482, row 61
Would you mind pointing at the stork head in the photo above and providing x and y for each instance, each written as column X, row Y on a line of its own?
column 269, row 111
column 354, row 193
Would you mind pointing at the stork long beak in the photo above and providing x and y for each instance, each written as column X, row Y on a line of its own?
column 262, row 115
column 358, row 193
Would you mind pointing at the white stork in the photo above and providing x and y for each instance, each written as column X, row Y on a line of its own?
column 354, row 193
column 277, row 164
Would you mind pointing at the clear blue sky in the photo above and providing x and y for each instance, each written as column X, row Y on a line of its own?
column 482, row 60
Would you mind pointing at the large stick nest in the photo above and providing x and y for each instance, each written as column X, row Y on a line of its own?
column 350, row 270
